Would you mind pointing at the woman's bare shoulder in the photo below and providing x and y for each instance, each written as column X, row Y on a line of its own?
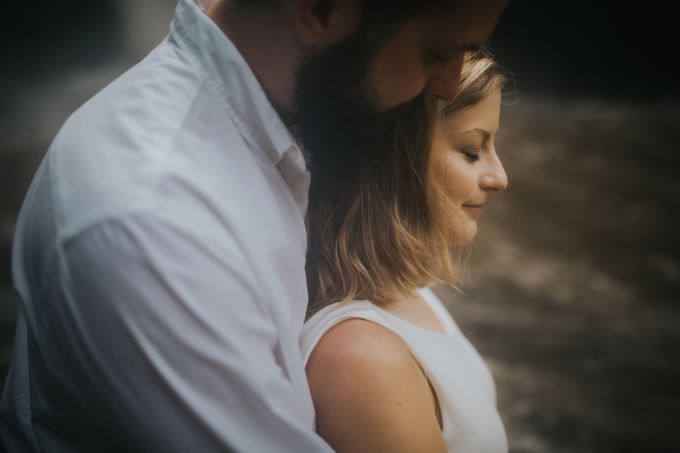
column 361, row 343
column 369, row 392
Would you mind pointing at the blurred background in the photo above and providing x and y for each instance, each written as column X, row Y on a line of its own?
column 572, row 296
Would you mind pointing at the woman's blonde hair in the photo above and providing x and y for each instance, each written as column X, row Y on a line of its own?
column 383, row 232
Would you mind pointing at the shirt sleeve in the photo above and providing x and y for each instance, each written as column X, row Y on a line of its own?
column 173, row 328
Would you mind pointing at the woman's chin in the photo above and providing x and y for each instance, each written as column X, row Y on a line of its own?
column 465, row 233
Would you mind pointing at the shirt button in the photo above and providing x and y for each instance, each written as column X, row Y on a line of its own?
column 296, row 182
column 273, row 156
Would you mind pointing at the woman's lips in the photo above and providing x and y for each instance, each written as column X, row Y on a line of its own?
column 474, row 210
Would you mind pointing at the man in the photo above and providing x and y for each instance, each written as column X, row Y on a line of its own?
column 159, row 253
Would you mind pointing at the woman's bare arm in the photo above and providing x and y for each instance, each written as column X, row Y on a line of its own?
column 369, row 392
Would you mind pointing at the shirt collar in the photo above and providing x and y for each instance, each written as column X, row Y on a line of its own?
column 231, row 80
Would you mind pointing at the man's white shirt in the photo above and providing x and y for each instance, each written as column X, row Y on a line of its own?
column 159, row 260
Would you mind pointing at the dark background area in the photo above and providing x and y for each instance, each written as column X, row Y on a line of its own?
column 606, row 49
column 572, row 296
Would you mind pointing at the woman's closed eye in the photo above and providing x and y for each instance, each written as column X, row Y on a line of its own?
column 471, row 154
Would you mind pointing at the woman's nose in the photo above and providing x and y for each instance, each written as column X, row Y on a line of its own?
column 495, row 178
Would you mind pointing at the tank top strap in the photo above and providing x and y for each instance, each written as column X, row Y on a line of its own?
column 332, row 315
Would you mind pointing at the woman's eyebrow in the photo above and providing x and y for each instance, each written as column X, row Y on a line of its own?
column 477, row 130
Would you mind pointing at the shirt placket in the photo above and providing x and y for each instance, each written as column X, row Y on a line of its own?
column 293, row 170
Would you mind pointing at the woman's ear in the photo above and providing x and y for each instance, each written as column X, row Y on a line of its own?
column 320, row 23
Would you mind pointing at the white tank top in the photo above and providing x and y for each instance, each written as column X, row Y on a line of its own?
column 461, row 380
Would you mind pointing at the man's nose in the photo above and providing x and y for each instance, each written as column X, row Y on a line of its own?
column 444, row 79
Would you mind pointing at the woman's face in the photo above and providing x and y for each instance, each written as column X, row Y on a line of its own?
column 465, row 164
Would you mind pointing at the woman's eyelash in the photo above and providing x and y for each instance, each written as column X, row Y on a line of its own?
column 471, row 155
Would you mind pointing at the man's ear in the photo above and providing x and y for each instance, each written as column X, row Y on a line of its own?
column 323, row 22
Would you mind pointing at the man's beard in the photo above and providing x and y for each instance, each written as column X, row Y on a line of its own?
column 336, row 116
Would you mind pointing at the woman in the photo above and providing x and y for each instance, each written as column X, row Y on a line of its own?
column 388, row 368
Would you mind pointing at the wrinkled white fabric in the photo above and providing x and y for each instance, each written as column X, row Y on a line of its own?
column 205, row 4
